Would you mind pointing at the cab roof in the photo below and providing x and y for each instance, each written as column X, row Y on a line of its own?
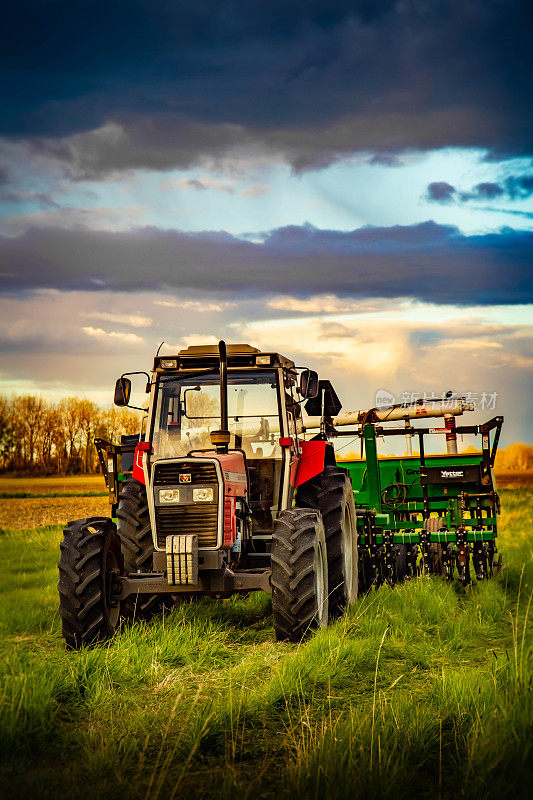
column 207, row 355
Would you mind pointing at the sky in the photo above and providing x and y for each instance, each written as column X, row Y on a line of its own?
column 350, row 183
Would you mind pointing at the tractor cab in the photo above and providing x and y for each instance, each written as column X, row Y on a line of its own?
column 231, row 417
column 187, row 410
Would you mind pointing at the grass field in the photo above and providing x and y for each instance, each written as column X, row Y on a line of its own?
column 420, row 691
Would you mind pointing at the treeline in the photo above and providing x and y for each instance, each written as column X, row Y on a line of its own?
column 514, row 458
column 47, row 438
column 517, row 456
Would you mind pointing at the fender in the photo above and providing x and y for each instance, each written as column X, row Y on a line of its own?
column 138, row 461
column 315, row 454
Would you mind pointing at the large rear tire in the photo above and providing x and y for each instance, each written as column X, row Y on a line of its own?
column 331, row 493
column 90, row 557
column 299, row 574
column 135, row 532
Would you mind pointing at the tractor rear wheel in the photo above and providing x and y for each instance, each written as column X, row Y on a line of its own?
column 135, row 532
column 299, row 574
column 90, row 557
column 331, row 493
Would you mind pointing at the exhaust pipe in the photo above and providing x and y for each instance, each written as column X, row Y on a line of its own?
column 451, row 434
column 223, row 386
column 221, row 438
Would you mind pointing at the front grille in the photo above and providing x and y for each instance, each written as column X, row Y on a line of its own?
column 199, row 518
column 168, row 474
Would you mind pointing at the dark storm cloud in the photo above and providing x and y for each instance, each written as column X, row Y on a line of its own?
column 193, row 183
column 311, row 80
column 520, row 186
column 441, row 192
column 485, row 191
column 428, row 261
column 44, row 199
column 385, row 160
column 514, row 187
column 165, row 141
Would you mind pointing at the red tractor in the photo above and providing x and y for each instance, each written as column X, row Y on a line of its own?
column 221, row 494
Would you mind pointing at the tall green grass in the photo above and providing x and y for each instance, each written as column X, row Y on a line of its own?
column 424, row 691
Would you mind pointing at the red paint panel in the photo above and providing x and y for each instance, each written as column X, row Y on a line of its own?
column 233, row 472
column 235, row 485
column 312, row 459
column 138, row 471
column 293, row 470
column 230, row 521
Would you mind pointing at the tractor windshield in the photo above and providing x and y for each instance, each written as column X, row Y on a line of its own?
column 188, row 408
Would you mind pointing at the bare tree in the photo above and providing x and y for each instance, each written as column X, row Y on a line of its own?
column 44, row 437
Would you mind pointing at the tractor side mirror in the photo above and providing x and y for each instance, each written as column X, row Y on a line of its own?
column 308, row 384
column 184, row 401
column 122, row 392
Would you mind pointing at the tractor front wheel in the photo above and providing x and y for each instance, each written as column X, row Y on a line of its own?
column 299, row 574
column 331, row 493
column 135, row 532
column 90, row 558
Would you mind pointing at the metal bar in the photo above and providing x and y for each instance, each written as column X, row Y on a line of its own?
column 494, row 422
column 107, row 451
column 214, row 582
column 425, row 513
column 372, row 466
column 498, row 427
column 473, row 429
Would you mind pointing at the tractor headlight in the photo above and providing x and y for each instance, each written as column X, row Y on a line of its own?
column 202, row 495
column 169, row 495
